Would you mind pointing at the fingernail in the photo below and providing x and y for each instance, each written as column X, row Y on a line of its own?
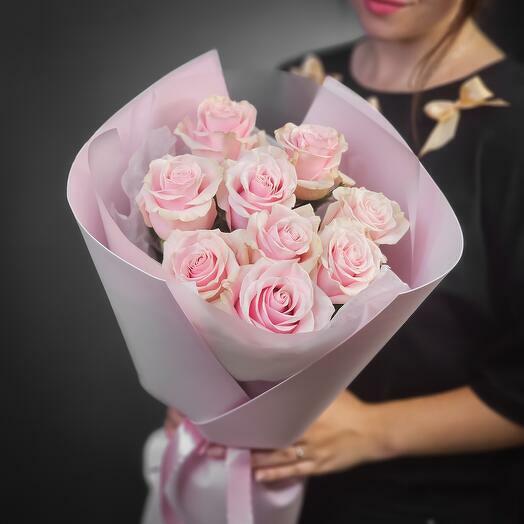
column 260, row 476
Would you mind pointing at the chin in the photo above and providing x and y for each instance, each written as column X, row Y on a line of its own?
column 399, row 19
column 383, row 30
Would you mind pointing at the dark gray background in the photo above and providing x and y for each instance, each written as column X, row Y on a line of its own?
column 75, row 417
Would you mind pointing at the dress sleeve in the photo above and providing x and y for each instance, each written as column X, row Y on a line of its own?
column 498, row 374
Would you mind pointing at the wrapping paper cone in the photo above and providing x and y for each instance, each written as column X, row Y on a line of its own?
column 173, row 336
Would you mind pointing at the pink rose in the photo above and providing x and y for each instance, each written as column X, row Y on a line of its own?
column 316, row 152
column 349, row 262
column 280, row 297
column 383, row 219
column 285, row 234
column 178, row 193
column 256, row 182
column 209, row 259
column 223, row 128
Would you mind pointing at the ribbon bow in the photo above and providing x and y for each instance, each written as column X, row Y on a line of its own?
column 313, row 68
column 473, row 93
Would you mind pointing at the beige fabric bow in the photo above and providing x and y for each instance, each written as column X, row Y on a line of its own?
column 312, row 67
column 473, row 93
column 374, row 102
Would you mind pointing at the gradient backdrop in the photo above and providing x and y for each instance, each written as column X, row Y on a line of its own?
column 75, row 417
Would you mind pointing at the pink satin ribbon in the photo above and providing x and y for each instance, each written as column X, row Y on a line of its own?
column 239, row 494
column 185, row 442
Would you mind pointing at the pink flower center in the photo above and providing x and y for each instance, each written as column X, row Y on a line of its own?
column 277, row 299
column 351, row 257
column 378, row 211
column 263, row 183
column 281, row 296
column 292, row 233
column 176, row 178
column 199, row 264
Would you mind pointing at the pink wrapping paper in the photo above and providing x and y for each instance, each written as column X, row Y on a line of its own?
column 178, row 343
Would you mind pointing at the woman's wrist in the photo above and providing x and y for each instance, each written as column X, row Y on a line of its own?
column 403, row 427
column 375, row 428
column 383, row 445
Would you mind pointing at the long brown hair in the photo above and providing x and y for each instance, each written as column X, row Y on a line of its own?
column 436, row 54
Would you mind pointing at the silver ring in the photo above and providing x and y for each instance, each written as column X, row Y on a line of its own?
column 299, row 452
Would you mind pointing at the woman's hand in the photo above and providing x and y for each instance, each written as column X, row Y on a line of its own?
column 348, row 433
column 351, row 432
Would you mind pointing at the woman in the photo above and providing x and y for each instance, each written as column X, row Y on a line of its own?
column 432, row 430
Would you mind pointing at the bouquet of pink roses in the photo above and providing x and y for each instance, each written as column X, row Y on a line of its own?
column 270, row 260
column 225, row 253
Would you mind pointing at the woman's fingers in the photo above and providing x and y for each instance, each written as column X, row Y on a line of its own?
column 262, row 459
column 298, row 469
column 172, row 420
column 215, row 451
column 280, row 464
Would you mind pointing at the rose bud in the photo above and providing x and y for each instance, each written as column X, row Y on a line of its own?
column 316, row 152
column 382, row 218
column 256, row 182
column 223, row 128
column 178, row 192
column 350, row 260
column 209, row 259
column 279, row 297
column 285, row 234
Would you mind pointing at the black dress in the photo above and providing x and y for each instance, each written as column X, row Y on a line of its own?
column 468, row 332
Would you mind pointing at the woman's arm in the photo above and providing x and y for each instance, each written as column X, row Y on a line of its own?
column 351, row 432
column 456, row 421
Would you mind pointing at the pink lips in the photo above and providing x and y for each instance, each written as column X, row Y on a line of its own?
column 384, row 7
